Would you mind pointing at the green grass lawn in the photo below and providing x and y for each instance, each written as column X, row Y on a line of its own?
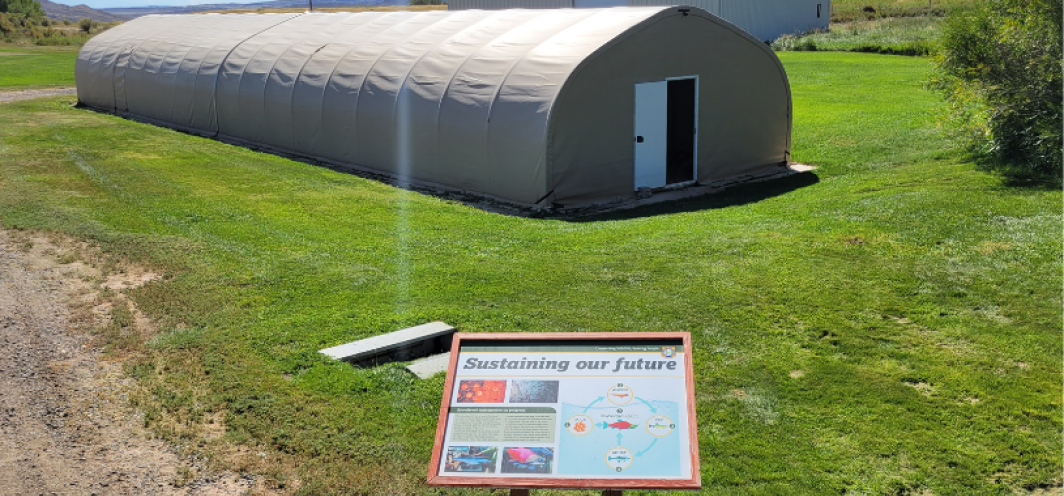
column 850, row 10
column 896, row 27
column 36, row 67
column 891, row 35
column 888, row 324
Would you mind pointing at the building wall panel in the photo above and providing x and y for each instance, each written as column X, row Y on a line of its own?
column 766, row 20
column 508, row 4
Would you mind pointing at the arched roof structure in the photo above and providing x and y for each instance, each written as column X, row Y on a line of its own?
column 462, row 99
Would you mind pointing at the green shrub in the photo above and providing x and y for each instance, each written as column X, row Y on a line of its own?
column 22, row 29
column 7, row 27
column 1000, row 69
column 794, row 43
column 62, row 40
column 88, row 26
column 29, row 8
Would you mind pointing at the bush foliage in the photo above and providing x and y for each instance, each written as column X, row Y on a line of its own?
column 1000, row 68
column 22, row 29
column 88, row 25
column 23, row 22
column 28, row 8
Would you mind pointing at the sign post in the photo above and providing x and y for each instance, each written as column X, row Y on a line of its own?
column 568, row 410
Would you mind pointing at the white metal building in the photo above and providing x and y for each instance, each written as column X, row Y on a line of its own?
column 765, row 19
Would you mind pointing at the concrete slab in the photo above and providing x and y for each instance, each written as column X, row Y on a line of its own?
column 667, row 194
column 430, row 366
column 406, row 344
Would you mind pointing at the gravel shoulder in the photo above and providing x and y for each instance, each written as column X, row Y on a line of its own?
column 16, row 95
column 65, row 422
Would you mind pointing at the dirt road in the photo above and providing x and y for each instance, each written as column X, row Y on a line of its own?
column 14, row 96
column 65, row 423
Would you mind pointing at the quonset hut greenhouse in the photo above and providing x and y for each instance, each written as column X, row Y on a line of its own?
column 567, row 106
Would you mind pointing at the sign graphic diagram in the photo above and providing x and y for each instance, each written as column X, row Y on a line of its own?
column 634, row 439
column 568, row 410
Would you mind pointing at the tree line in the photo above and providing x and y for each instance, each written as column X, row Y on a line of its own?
column 1001, row 70
column 24, row 21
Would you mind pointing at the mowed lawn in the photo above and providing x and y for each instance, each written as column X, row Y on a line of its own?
column 888, row 324
column 36, row 67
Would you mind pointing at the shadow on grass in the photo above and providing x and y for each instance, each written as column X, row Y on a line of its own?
column 1016, row 176
column 732, row 197
column 1039, row 183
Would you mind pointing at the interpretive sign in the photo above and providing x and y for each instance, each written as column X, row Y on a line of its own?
column 568, row 410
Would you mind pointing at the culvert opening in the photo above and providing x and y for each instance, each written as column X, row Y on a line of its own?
column 428, row 346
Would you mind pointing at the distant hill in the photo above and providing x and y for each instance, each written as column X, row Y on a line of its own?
column 132, row 12
column 59, row 11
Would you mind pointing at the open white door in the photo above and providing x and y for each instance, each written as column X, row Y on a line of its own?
column 651, row 133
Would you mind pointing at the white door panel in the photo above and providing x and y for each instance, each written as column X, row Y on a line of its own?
column 651, row 133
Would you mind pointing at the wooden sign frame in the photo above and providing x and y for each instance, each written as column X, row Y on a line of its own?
column 464, row 339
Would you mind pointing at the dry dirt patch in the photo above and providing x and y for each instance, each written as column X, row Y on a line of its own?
column 66, row 426
column 14, row 96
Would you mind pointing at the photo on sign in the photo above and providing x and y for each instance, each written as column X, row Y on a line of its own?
column 471, row 459
column 534, row 392
column 481, row 391
column 528, row 460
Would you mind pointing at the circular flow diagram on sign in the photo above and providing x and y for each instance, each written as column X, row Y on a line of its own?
column 624, row 428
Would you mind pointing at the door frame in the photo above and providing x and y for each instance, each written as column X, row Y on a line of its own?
column 694, row 165
column 694, row 159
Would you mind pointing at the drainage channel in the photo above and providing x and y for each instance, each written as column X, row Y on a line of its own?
column 428, row 345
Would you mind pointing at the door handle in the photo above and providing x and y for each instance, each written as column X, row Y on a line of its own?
column 638, row 139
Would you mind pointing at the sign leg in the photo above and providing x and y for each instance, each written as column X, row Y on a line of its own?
column 519, row 492
column 612, row 492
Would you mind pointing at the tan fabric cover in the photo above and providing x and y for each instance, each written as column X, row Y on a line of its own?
column 164, row 67
column 744, row 108
column 464, row 99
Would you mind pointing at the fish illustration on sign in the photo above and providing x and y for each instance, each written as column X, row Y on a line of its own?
column 621, row 395
column 622, row 424
column 618, row 458
column 523, row 455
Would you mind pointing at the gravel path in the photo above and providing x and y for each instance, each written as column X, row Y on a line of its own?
column 65, row 423
column 14, row 96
